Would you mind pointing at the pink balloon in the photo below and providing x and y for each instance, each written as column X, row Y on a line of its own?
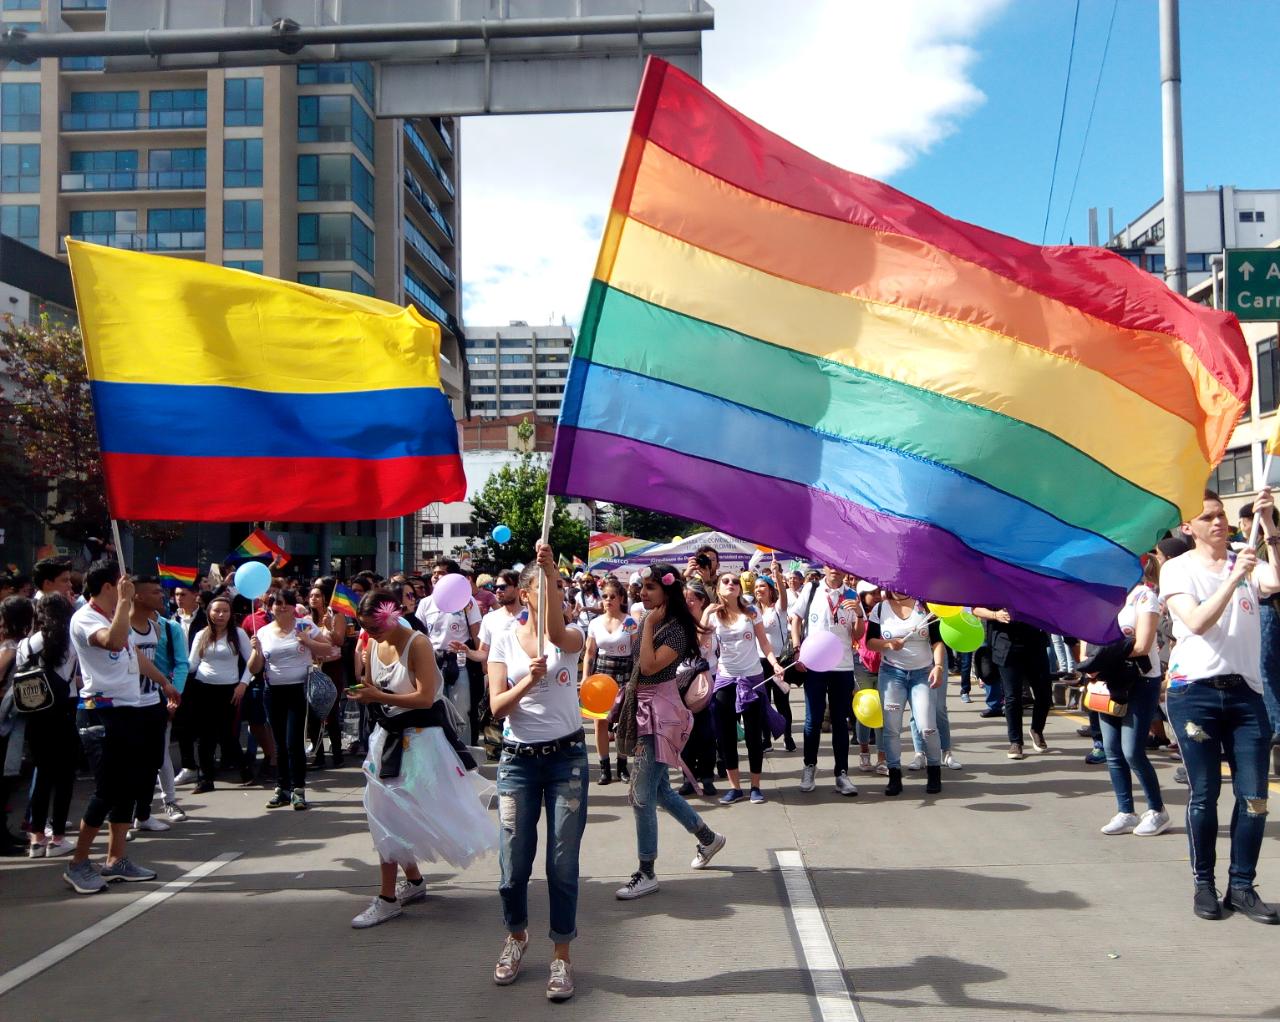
column 451, row 593
column 821, row 651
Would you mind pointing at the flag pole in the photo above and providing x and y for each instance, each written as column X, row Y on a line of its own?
column 1257, row 518
column 115, row 538
column 548, row 511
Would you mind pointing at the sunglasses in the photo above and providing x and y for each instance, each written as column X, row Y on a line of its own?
column 500, row 586
column 730, row 581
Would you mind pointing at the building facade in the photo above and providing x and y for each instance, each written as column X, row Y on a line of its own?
column 518, row 369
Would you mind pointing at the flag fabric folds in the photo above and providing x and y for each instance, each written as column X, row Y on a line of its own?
column 258, row 546
column 609, row 545
column 174, row 575
column 811, row 360
column 222, row 395
column 344, row 601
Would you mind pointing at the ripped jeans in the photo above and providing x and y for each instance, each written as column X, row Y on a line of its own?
column 650, row 787
column 1212, row 723
column 897, row 687
column 525, row 783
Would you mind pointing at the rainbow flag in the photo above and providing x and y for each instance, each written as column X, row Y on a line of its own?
column 223, row 395
column 258, row 546
column 343, row 601
column 815, row 362
column 609, row 546
column 174, row 575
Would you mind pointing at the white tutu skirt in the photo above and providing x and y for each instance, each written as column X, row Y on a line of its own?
column 432, row 811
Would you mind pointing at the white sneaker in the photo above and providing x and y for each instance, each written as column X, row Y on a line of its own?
column 1153, row 822
column 949, row 760
column 174, row 812
column 185, row 777
column 845, row 786
column 882, row 769
column 917, row 763
column 637, row 887
column 58, row 846
column 807, row 782
column 707, row 852
column 407, row 893
column 379, row 911
column 1121, row 823
column 150, row 823
column 508, row 967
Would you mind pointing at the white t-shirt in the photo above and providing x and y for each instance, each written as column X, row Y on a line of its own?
column 442, row 628
column 103, row 673
column 1233, row 645
column 219, row 664
column 738, row 654
column 637, row 611
column 617, row 643
column 914, row 628
column 494, row 623
column 825, row 614
column 592, row 607
column 287, row 659
column 1142, row 599
column 774, row 625
column 144, row 645
column 29, row 650
column 550, row 709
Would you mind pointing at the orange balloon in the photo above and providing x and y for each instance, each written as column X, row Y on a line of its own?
column 597, row 694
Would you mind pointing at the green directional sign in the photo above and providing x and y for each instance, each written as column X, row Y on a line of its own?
column 1253, row 283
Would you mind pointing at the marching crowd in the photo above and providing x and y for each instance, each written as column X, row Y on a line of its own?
column 98, row 672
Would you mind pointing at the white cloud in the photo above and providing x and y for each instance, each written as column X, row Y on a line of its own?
column 870, row 86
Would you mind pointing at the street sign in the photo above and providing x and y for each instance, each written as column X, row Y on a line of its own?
column 1253, row 283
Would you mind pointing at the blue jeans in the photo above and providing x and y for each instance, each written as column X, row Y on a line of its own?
column 1062, row 654
column 1125, row 742
column 525, row 783
column 964, row 661
column 1270, row 621
column 943, row 721
column 818, row 685
column 995, row 692
column 649, row 786
column 1212, row 723
column 897, row 687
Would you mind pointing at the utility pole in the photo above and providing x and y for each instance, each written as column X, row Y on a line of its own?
column 1175, row 211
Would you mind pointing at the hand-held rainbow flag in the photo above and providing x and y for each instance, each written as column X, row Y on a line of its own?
column 222, row 395
column 259, row 546
column 174, row 575
column 813, row 361
column 343, row 601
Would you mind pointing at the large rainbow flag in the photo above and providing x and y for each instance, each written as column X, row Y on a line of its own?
column 222, row 395
column 813, row 361
column 604, row 546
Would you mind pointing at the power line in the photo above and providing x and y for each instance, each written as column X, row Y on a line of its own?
column 1062, row 117
column 1097, row 87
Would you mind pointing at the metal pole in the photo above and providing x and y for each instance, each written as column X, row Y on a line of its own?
column 1175, row 211
column 1216, row 262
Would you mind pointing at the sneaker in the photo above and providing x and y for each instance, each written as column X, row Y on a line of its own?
column 279, row 800
column 151, row 823
column 299, row 800
column 757, row 797
column 1037, row 741
column 508, row 967
column 1246, row 900
column 882, row 768
column 1015, row 752
column 992, row 711
column 174, row 811
column 844, row 786
column 82, row 878
column 708, row 852
column 185, row 777
column 687, row 789
column 560, row 982
column 35, row 850
column 864, row 763
column 1206, row 904
column 1121, row 823
column 731, row 796
column 709, row 789
column 379, row 911
column 1084, row 730
column 917, row 763
column 407, row 892
column 1180, row 775
column 1095, row 755
column 1153, row 822
column 124, row 870
column 964, row 697
column 639, row 885
column 308, row 748
column 807, row 781
column 202, row 788
column 950, row 762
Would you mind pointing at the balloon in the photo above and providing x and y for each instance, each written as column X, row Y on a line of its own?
column 678, row 539
column 597, row 695
column 253, row 578
column 867, row 708
column 944, row 610
column 963, row 633
column 451, row 594
column 501, row 534
column 821, row 651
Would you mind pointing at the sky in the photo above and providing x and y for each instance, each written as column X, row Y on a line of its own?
column 955, row 102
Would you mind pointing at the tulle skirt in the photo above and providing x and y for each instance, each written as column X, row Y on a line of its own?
column 432, row 811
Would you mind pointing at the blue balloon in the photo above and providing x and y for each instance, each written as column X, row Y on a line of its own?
column 253, row 578
column 501, row 534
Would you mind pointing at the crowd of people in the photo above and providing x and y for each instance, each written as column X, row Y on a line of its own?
column 703, row 661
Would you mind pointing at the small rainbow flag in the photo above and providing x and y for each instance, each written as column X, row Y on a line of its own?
column 343, row 601
column 258, row 546
column 174, row 575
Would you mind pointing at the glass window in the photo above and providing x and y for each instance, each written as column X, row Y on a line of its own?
column 252, row 265
column 176, row 159
column 337, row 281
column 358, row 74
column 20, row 106
column 20, row 168
column 517, row 388
column 242, row 223
column 103, row 221
column 104, row 102
column 508, row 360
column 483, row 390
column 481, row 342
column 1197, row 262
column 335, row 178
column 330, row 236
column 242, row 163
column 1246, row 216
column 1268, row 376
column 553, row 358
column 242, row 101
column 83, row 63
column 21, row 222
column 22, row 5
column 176, row 219
column 482, row 359
column 105, row 160
column 362, row 129
column 178, row 108
column 1234, row 473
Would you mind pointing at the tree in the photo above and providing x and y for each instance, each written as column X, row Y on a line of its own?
column 626, row 520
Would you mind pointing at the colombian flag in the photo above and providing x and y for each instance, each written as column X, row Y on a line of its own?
column 174, row 575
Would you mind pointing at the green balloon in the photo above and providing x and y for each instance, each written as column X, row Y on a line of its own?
column 963, row 632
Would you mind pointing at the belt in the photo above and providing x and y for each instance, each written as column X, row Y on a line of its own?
column 544, row 748
column 1222, row 681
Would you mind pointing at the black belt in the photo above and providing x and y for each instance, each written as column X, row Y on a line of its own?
column 1223, row 681
column 544, row 748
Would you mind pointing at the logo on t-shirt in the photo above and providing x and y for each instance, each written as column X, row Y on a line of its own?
column 1128, row 632
column 563, row 677
column 1246, row 605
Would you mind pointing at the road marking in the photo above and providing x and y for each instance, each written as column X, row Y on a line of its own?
column 84, row 938
column 835, row 999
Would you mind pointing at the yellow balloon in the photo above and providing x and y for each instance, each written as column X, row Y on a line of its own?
column 866, row 707
column 944, row 610
column 678, row 539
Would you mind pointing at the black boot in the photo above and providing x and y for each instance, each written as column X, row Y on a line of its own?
column 623, row 773
column 934, row 784
column 606, row 775
column 894, row 787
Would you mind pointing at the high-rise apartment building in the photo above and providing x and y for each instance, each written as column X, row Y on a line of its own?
column 518, row 368
column 280, row 170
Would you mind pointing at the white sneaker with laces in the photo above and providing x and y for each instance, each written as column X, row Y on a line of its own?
column 707, row 852
column 864, row 762
column 174, row 812
column 1154, row 821
column 560, row 982
column 508, row 967
column 58, row 846
column 407, row 893
column 150, row 823
column 379, row 911
column 807, row 782
column 845, row 786
column 637, row 887
column 1121, row 823
column 949, row 760
column 917, row 763
column 882, row 769
column 185, row 777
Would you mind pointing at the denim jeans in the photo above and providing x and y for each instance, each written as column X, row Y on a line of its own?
column 1211, row 723
column 862, row 678
column 1062, row 654
column 897, row 688
column 649, row 786
column 1125, row 742
column 525, row 784
column 943, row 721
column 818, row 686
column 964, row 661
column 1270, row 621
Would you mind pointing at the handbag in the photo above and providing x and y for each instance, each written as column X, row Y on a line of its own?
column 322, row 693
column 1097, row 697
column 32, row 690
column 695, row 685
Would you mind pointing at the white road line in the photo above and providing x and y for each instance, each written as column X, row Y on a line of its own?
column 84, row 938
column 835, row 1000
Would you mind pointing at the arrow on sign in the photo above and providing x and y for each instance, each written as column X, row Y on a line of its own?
column 1246, row 270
